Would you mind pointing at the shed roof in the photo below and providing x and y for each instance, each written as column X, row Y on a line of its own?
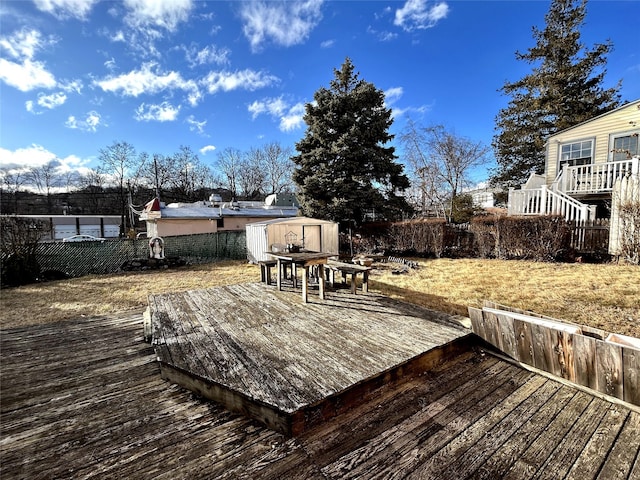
column 295, row 220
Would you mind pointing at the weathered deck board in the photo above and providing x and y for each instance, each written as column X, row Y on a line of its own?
column 262, row 352
column 603, row 438
column 532, row 459
column 66, row 414
column 508, row 452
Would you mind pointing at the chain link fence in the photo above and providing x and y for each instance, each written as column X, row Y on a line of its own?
column 76, row 259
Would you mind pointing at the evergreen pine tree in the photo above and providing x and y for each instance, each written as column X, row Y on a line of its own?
column 344, row 168
column 564, row 89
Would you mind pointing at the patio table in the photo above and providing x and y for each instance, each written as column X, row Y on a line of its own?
column 305, row 260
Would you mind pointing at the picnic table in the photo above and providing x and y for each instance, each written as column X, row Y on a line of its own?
column 304, row 260
column 348, row 269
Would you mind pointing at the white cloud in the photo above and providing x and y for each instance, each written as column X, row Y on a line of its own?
column 392, row 95
column 147, row 81
column 74, row 86
column 22, row 159
column 384, row 36
column 26, row 76
column 206, row 149
column 419, row 14
column 165, row 14
column 52, row 101
column 293, row 119
column 118, row 36
column 284, row 23
column 244, row 79
column 147, row 22
column 421, row 110
column 290, row 117
column 164, row 112
column 25, row 73
column 208, row 55
column 110, row 64
column 327, row 43
column 90, row 123
column 23, row 44
column 46, row 101
column 196, row 126
column 63, row 9
column 273, row 106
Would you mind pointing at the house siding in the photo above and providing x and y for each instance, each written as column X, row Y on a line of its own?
column 167, row 227
column 601, row 129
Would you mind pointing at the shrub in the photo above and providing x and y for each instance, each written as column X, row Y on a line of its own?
column 630, row 232
column 19, row 240
column 423, row 236
column 541, row 238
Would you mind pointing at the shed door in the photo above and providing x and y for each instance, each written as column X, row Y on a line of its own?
column 312, row 237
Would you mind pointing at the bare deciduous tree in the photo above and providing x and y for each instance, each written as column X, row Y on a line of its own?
column 441, row 162
column 278, row 168
column 123, row 169
column 45, row 178
column 12, row 181
column 252, row 174
column 93, row 183
column 229, row 163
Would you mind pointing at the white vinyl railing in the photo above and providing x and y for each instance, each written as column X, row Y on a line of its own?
column 595, row 178
column 583, row 179
column 542, row 201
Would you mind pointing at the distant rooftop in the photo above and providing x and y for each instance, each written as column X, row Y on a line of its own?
column 280, row 205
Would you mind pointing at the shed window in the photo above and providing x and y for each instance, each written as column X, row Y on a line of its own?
column 220, row 222
column 577, row 153
column 625, row 147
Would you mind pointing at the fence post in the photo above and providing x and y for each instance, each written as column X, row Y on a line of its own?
column 543, row 209
column 510, row 200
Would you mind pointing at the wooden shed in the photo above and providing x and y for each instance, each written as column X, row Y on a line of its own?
column 309, row 233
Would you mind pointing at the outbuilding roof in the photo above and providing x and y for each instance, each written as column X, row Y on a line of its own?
column 210, row 210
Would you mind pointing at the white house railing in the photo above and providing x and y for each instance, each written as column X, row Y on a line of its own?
column 542, row 201
column 583, row 179
column 596, row 177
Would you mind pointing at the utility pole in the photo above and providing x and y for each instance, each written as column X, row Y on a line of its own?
column 155, row 168
column 130, row 208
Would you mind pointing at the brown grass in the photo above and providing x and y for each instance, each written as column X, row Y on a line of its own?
column 604, row 296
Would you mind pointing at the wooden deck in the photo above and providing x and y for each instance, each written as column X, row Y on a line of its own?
column 291, row 364
column 85, row 399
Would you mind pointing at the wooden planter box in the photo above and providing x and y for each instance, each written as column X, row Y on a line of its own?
column 585, row 356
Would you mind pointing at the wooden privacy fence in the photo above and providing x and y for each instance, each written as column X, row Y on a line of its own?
column 582, row 355
column 590, row 236
column 76, row 259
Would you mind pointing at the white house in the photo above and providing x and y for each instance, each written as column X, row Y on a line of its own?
column 581, row 167
column 590, row 170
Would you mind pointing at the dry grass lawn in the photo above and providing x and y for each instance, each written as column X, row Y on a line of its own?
column 606, row 296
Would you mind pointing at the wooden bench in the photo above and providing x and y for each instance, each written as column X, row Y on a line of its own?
column 345, row 269
column 265, row 270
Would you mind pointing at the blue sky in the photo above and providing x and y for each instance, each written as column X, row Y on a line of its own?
column 77, row 75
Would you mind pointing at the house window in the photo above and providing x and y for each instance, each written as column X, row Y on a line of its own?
column 220, row 222
column 577, row 153
column 625, row 147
